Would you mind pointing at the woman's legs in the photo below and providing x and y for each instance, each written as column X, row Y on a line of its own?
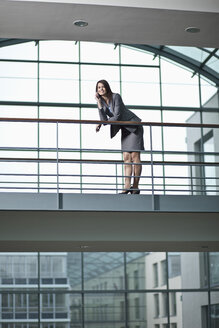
column 128, row 169
column 129, row 158
column 135, row 158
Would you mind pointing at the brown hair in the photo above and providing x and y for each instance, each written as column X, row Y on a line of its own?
column 107, row 86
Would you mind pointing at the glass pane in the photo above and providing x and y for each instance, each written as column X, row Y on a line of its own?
column 27, row 51
column 214, row 310
column 174, row 139
column 74, row 270
column 177, row 179
column 59, row 83
column 21, row 170
column 59, row 113
column 69, row 175
column 156, row 309
column 68, row 136
column 158, row 180
column 103, row 271
column 193, row 140
column 48, row 177
column 192, row 52
column 156, row 272
column 18, row 111
column 178, row 86
column 18, row 81
column 210, row 118
column 100, row 183
column 137, row 309
column 15, row 134
column 19, row 308
column 135, row 269
column 213, row 63
column 53, row 270
column 59, row 51
column 99, row 52
column 62, row 309
column 91, row 139
column 214, row 269
column 210, row 170
column 174, row 268
column 18, row 269
column 75, row 309
column 143, row 83
column 174, row 116
column 156, row 140
column 148, row 115
column 47, row 134
column 209, row 94
column 136, row 56
column 89, row 77
column 189, row 309
column 104, row 310
column 187, row 270
column 98, row 141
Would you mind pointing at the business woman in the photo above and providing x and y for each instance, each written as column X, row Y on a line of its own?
column 112, row 108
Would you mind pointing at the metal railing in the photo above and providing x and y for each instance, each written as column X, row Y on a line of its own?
column 195, row 182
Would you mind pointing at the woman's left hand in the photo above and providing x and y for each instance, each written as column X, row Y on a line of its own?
column 97, row 96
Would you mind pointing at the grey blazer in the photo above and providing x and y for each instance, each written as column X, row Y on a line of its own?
column 117, row 112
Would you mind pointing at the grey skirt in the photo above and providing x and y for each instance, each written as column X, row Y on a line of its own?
column 132, row 141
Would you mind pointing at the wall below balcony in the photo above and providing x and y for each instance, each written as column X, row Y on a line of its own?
column 108, row 223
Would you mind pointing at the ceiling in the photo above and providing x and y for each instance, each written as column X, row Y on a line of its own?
column 106, row 231
column 122, row 21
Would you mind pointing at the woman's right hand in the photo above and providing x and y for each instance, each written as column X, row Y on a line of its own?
column 98, row 126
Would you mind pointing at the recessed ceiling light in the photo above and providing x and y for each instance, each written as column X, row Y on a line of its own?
column 80, row 23
column 192, row 29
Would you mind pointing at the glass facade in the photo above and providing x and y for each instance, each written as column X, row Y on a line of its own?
column 109, row 290
column 55, row 80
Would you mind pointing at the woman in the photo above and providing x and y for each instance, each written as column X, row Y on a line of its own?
column 112, row 108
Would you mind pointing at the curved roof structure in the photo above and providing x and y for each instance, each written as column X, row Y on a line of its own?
column 200, row 60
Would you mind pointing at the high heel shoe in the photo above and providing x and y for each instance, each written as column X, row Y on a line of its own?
column 126, row 191
column 134, row 191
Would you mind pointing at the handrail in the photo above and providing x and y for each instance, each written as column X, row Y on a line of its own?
column 105, row 161
column 108, row 150
column 45, row 120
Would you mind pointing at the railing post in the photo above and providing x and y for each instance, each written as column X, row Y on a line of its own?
column 191, row 179
column 116, row 178
column 152, row 169
column 57, row 164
